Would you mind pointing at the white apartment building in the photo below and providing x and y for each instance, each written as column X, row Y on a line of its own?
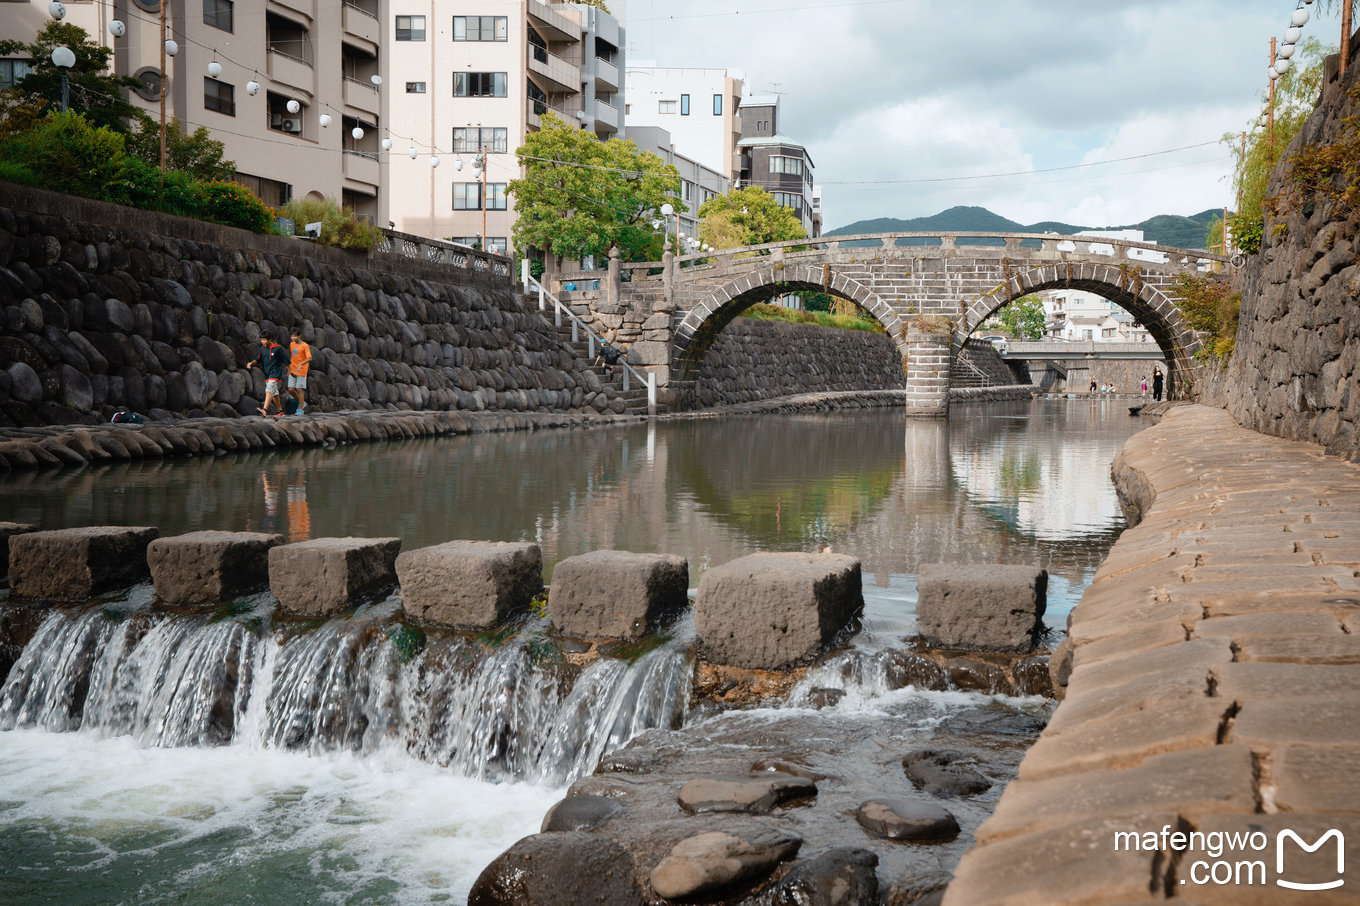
column 470, row 80
column 315, row 55
column 1077, row 315
column 696, row 106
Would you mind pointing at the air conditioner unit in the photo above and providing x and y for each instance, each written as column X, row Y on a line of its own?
column 290, row 125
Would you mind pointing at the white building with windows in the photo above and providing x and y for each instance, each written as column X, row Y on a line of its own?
column 1077, row 315
column 698, row 183
column 696, row 106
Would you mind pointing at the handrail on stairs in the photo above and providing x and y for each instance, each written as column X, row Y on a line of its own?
column 577, row 325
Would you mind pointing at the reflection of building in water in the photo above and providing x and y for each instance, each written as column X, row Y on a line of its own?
column 299, row 516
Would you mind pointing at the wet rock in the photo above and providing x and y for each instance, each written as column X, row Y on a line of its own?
column 981, row 606
column 1060, row 667
column 971, row 675
column 733, row 793
column 573, row 868
column 1032, row 676
column 787, row 766
column 905, row 668
column 25, row 385
column 7, row 531
column 943, row 773
column 906, row 819
column 577, row 813
column 824, row 698
column 469, row 584
column 324, row 576
column 72, row 565
column 768, row 611
column 717, row 859
column 617, row 594
column 210, row 567
column 839, row 877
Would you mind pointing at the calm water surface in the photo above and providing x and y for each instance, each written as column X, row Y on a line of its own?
column 87, row 819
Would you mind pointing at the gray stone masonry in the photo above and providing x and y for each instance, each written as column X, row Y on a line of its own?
column 617, row 594
column 7, row 531
column 210, row 567
column 325, row 576
column 72, row 565
column 985, row 607
column 766, row 611
column 469, row 584
column 1215, row 682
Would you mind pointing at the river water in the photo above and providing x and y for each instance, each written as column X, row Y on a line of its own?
column 331, row 777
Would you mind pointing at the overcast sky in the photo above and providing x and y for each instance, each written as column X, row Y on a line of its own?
column 886, row 91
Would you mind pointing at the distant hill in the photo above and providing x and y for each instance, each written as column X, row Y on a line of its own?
column 1166, row 229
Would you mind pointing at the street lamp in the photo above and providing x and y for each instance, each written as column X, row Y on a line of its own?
column 667, row 211
column 63, row 58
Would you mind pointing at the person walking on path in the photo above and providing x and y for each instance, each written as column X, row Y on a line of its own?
column 1157, row 384
column 1144, row 386
column 297, row 369
column 1093, row 385
column 272, row 360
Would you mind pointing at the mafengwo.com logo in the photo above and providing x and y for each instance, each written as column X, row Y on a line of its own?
column 1246, row 858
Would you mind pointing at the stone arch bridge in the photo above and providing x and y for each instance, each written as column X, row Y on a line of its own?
column 930, row 291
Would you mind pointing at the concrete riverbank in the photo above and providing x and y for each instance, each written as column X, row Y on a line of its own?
column 1214, row 686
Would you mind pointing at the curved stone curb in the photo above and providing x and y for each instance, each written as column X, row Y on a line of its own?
column 1215, row 682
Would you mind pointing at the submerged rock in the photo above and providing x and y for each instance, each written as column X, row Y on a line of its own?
column 573, row 868
column 906, row 819
column 742, row 794
column 943, row 773
column 711, row 861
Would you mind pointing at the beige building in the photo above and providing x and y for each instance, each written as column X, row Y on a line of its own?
column 315, row 55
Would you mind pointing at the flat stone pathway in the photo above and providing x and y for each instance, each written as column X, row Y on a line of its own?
column 1215, row 687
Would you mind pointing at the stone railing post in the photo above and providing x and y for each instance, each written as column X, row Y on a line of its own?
column 927, row 368
column 614, row 291
column 668, row 277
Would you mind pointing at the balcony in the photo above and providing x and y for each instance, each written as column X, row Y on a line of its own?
column 557, row 72
column 361, row 97
column 360, row 23
column 606, row 75
column 291, row 70
column 554, row 25
column 361, row 169
column 305, row 10
column 606, row 117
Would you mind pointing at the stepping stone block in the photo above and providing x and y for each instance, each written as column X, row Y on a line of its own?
column 983, row 607
column 767, row 611
column 325, row 576
column 617, row 594
column 7, row 531
column 210, row 567
column 73, row 565
column 469, row 584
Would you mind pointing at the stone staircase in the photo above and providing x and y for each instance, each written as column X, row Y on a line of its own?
column 978, row 364
column 634, row 399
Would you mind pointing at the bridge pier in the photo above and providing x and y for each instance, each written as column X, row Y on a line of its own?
column 926, row 364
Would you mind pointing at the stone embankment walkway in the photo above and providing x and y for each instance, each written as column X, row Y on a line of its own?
column 1215, row 686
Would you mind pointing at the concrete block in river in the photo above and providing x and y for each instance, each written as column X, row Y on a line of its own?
column 617, row 594
column 767, row 611
column 327, row 575
column 72, row 565
column 7, row 531
column 981, row 606
column 469, row 584
column 210, row 567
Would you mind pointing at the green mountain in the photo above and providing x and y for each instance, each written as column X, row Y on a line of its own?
column 1166, row 229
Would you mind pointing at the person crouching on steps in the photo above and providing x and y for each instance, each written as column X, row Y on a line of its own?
column 297, row 369
column 272, row 360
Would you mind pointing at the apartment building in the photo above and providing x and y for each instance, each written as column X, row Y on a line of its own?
column 697, row 107
column 698, row 183
column 288, row 86
column 466, row 83
column 1078, row 315
column 775, row 162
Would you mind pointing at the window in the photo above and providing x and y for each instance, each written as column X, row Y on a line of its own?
column 415, row 87
column 11, row 71
column 218, row 13
column 793, row 166
column 410, row 28
column 471, row 140
column 219, row 96
column 686, row 190
column 665, row 106
column 497, row 245
column 538, row 99
column 479, row 84
column 684, row 105
column 467, row 196
column 496, row 199
column 789, row 200
column 479, row 28
column 717, row 105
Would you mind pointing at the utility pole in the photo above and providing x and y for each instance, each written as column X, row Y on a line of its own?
column 482, row 159
column 164, row 3
column 1270, row 134
column 1345, row 35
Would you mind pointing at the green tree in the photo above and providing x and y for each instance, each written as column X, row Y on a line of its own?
column 1024, row 318
column 197, row 152
column 1295, row 94
column 93, row 90
column 581, row 196
column 748, row 216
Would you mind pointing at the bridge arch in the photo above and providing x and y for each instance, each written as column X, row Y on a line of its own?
column 702, row 324
column 1145, row 296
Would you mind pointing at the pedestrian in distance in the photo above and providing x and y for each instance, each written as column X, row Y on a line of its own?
column 299, row 362
column 1144, row 390
column 1093, row 386
column 1157, row 381
column 273, row 360
column 609, row 357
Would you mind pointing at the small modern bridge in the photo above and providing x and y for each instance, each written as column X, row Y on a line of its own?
column 929, row 291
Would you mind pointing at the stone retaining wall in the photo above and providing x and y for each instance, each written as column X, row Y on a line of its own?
column 1214, row 667
column 108, row 308
column 756, row 360
column 1297, row 360
column 992, row 394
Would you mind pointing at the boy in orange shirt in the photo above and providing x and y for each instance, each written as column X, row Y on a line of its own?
column 297, row 369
